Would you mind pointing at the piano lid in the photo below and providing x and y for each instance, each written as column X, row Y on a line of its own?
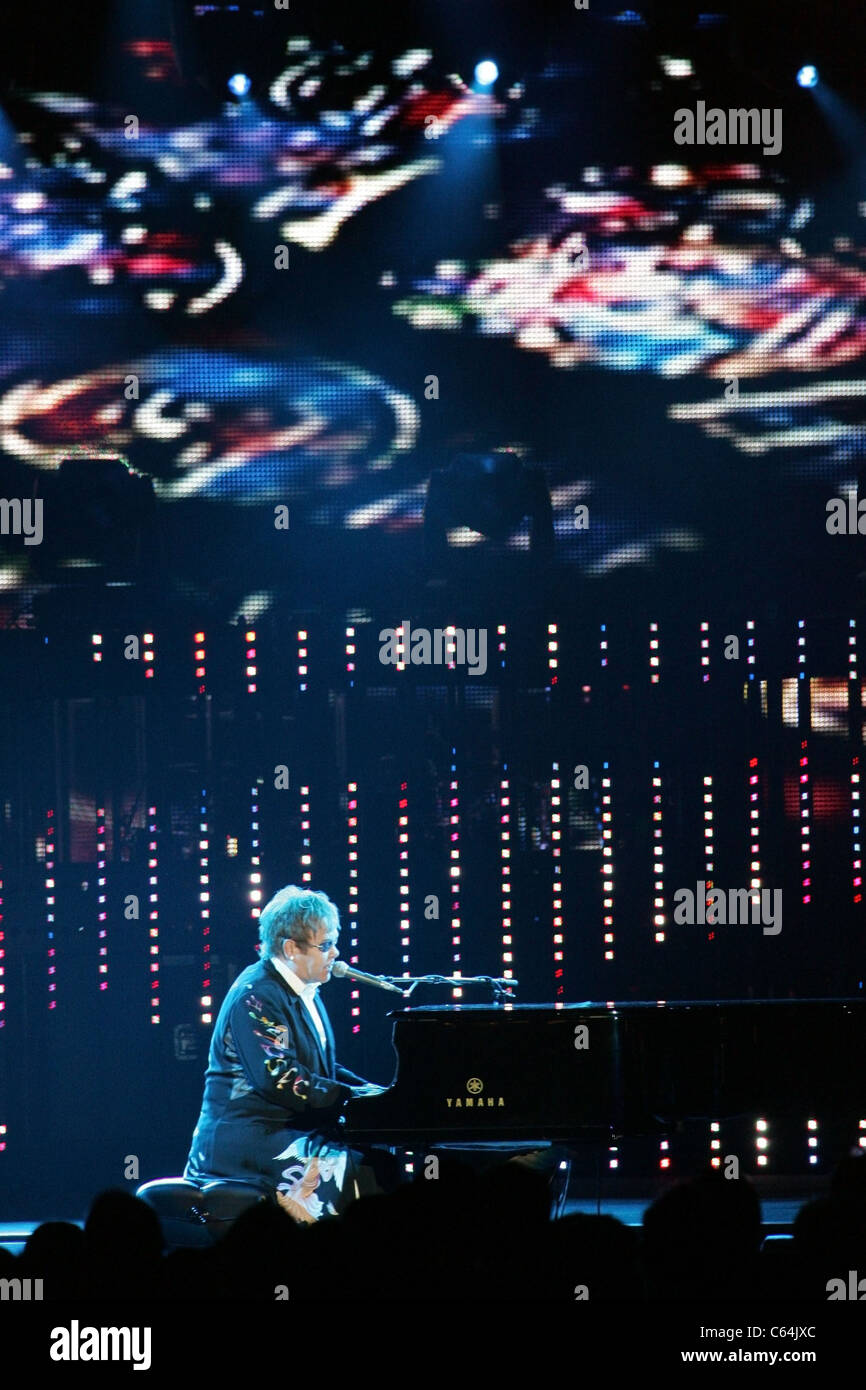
column 619, row 1006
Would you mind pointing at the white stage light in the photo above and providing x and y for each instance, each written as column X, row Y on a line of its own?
column 486, row 72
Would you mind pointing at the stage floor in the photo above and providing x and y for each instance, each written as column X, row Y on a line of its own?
column 777, row 1213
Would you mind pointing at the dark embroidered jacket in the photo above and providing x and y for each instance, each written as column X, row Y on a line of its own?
column 267, row 1076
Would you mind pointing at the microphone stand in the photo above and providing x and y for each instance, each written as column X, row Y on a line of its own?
column 501, row 988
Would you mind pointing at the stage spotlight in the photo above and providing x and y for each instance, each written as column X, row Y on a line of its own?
column 676, row 67
column 807, row 76
column 239, row 84
column 486, row 73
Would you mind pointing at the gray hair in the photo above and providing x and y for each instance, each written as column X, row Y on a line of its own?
column 294, row 913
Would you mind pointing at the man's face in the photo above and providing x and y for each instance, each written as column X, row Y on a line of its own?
column 312, row 962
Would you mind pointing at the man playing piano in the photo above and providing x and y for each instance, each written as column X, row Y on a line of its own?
column 273, row 1087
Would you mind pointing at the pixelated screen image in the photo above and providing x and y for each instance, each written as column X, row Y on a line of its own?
column 324, row 289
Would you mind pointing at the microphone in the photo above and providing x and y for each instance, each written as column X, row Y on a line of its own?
column 340, row 968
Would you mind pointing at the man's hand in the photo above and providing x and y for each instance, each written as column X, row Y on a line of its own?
column 369, row 1088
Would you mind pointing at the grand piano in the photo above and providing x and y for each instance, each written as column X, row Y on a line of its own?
column 529, row 1073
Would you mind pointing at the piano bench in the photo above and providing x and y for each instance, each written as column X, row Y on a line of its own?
column 194, row 1216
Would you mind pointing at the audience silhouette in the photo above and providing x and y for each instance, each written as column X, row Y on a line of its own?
column 465, row 1235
